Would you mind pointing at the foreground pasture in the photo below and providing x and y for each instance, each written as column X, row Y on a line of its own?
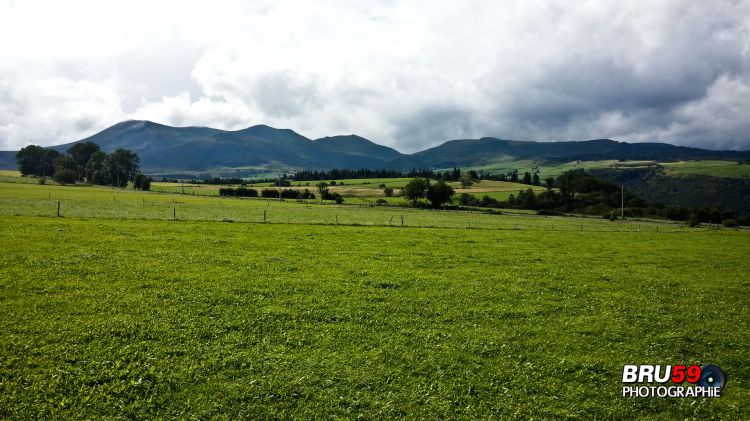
column 107, row 312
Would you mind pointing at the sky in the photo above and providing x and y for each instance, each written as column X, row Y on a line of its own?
column 406, row 74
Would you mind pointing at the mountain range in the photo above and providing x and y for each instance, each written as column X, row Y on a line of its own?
column 164, row 148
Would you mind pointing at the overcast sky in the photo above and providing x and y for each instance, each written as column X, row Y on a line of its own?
column 407, row 74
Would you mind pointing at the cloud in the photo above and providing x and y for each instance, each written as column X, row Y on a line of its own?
column 399, row 73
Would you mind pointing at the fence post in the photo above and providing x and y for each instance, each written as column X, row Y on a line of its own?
column 402, row 220
column 174, row 213
column 391, row 221
column 58, row 208
column 264, row 215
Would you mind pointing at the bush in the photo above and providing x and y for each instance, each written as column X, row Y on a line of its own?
column 388, row 191
column 270, row 194
column 65, row 176
column 238, row 192
column 381, row 202
column 142, row 182
column 465, row 199
column 694, row 221
column 42, row 180
column 138, row 180
column 548, row 212
column 290, row 194
column 729, row 223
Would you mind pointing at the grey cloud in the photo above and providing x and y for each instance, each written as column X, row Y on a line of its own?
column 674, row 71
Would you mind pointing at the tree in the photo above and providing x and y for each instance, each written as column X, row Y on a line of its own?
column 146, row 184
column 439, row 193
column 535, row 179
column 526, row 178
column 415, row 189
column 36, row 161
column 94, row 171
column 120, row 167
column 29, row 160
column 66, row 162
column 514, row 176
column 549, row 183
column 388, row 191
column 138, row 181
column 526, row 199
column 456, row 174
column 466, row 180
column 81, row 153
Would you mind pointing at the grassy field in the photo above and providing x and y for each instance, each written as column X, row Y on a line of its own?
column 356, row 191
column 727, row 169
column 715, row 168
column 115, row 310
column 108, row 203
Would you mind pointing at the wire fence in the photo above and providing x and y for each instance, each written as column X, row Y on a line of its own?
column 154, row 206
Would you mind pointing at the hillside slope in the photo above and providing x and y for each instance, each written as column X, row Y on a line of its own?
column 162, row 147
column 165, row 148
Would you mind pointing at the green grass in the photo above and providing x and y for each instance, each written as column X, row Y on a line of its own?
column 726, row 169
column 112, row 311
column 715, row 168
column 109, row 203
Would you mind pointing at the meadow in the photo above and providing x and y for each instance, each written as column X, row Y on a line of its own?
column 115, row 309
column 715, row 168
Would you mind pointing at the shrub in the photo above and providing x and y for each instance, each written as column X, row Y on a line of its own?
column 465, row 199
column 137, row 180
column 238, row 192
column 290, row 194
column 65, row 176
column 381, row 202
column 388, row 191
column 694, row 221
column 729, row 223
column 268, row 193
column 548, row 212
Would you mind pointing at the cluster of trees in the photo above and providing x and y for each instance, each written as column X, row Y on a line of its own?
column 437, row 193
column 325, row 194
column 83, row 162
column 238, row 192
column 345, row 173
column 468, row 177
column 220, row 181
column 580, row 192
column 267, row 193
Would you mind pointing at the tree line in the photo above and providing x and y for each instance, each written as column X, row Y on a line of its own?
column 83, row 162
column 267, row 193
column 577, row 191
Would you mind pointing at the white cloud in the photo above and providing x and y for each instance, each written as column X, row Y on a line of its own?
column 404, row 73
